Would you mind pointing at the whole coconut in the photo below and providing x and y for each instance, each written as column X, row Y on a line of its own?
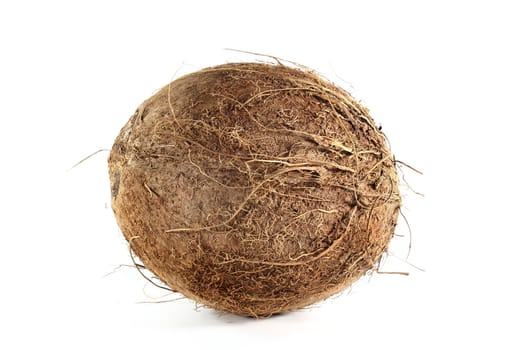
column 254, row 188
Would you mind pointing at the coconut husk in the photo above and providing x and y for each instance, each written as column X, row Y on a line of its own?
column 254, row 188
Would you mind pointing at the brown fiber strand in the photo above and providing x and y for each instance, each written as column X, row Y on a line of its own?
column 254, row 188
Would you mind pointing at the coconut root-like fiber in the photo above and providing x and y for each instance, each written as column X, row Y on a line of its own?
column 254, row 188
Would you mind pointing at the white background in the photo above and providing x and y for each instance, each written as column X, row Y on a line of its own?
column 445, row 79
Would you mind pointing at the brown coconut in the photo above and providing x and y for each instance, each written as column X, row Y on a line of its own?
column 254, row 188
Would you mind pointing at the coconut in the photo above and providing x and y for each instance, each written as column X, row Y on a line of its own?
column 254, row 188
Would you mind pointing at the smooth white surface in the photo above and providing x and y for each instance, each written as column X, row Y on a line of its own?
column 445, row 80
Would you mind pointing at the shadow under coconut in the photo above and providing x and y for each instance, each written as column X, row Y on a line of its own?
column 179, row 316
column 236, row 319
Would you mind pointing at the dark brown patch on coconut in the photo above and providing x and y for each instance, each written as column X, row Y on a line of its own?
column 253, row 188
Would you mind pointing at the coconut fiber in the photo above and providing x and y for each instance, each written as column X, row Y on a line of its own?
column 254, row 188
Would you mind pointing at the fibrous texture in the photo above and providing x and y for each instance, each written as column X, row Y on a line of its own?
column 254, row 188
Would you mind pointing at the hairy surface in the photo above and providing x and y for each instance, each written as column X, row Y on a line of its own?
column 254, row 188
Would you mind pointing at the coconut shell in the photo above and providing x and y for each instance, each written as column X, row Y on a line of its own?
column 254, row 188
